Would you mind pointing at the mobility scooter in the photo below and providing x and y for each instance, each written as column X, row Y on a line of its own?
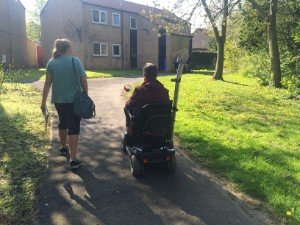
column 150, row 137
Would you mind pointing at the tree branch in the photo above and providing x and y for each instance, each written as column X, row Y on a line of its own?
column 258, row 8
column 231, row 4
column 211, row 19
column 194, row 9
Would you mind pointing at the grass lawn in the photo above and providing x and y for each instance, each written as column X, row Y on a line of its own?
column 29, row 75
column 246, row 133
column 23, row 144
column 113, row 73
column 25, row 75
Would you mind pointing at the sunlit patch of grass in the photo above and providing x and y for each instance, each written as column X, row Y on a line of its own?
column 24, row 75
column 247, row 133
column 29, row 75
column 23, row 144
column 113, row 73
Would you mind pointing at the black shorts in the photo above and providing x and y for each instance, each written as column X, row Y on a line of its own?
column 67, row 119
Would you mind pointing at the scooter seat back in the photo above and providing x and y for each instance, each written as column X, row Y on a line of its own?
column 155, row 121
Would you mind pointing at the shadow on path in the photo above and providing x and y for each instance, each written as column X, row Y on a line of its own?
column 103, row 191
column 22, row 168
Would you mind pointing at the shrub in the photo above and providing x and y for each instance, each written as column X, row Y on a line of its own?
column 233, row 57
column 290, row 71
column 256, row 65
column 202, row 60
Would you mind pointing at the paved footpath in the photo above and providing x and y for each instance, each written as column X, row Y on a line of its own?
column 104, row 192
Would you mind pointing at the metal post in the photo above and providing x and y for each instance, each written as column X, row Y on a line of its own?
column 177, row 80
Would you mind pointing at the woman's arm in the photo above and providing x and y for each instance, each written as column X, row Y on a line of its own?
column 82, row 75
column 46, row 90
column 131, row 103
column 84, row 85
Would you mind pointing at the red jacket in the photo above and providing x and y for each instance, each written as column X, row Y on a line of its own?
column 149, row 92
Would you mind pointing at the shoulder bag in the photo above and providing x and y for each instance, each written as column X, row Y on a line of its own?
column 84, row 106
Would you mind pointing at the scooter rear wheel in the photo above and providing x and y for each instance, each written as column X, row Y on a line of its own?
column 136, row 166
column 172, row 164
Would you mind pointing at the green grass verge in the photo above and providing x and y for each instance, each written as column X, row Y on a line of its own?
column 23, row 144
column 25, row 75
column 29, row 75
column 113, row 73
column 244, row 132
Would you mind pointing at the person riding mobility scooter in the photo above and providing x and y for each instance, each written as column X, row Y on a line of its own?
column 149, row 137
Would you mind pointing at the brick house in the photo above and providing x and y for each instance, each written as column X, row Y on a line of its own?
column 111, row 34
column 200, row 41
column 13, row 38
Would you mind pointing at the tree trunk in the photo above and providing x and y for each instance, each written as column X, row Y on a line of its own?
column 275, row 78
column 218, row 75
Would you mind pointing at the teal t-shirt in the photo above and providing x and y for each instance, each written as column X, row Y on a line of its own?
column 64, row 82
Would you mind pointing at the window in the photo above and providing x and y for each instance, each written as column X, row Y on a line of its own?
column 95, row 15
column 103, row 17
column 99, row 16
column 100, row 49
column 116, row 19
column 96, row 49
column 116, row 50
column 133, row 23
column 203, row 42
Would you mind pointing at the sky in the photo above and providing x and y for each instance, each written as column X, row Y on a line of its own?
column 197, row 21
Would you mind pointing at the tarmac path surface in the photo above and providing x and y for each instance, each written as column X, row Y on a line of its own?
column 103, row 191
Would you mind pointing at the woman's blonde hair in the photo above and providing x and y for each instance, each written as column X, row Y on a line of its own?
column 60, row 47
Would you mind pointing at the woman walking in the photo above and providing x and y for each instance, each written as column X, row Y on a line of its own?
column 62, row 74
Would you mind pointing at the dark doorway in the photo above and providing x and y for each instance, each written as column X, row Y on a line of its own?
column 162, row 50
column 133, row 48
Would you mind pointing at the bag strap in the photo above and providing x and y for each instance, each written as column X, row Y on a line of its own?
column 79, row 87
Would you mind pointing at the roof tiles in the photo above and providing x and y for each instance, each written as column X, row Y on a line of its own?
column 123, row 5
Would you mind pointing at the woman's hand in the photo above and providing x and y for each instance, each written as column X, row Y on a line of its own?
column 84, row 84
column 43, row 106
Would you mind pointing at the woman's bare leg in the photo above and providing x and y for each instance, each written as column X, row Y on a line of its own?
column 63, row 135
column 73, row 142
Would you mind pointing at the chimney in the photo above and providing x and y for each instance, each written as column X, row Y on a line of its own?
column 121, row 3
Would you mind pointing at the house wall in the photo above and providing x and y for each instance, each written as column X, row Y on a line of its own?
column 13, row 40
column 200, row 41
column 147, row 41
column 73, row 20
column 176, row 43
column 32, row 57
column 100, row 33
column 62, row 19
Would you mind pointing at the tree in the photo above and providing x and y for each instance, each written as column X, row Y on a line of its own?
column 213, row 47
column 270, row 17
column 34, row 15
column 33, row 30
column 33, row 25
column 217, row 12
column 219, row 36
